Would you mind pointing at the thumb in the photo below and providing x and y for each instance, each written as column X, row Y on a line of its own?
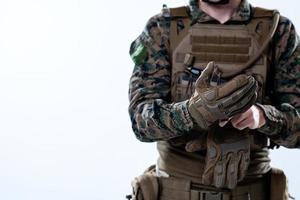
column 204, row 78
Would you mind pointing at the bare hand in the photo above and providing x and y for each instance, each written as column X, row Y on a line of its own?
column 253, row 118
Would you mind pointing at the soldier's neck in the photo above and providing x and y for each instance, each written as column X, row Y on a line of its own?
column 222, row 13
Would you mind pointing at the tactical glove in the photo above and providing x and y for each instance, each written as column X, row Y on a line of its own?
column 227, row 157
column 210, row 102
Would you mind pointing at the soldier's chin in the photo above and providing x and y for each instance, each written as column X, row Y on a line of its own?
column 216, row 2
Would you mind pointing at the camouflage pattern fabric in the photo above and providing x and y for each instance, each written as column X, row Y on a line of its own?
column 154, row 117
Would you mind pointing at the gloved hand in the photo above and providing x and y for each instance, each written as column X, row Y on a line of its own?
column 227, row 157
column 210, row 103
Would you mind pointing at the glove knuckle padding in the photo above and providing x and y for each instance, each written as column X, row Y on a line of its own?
column 210, row 95
column 242, row 105
column 231, row 86
column 245, row 108
column 246, row 90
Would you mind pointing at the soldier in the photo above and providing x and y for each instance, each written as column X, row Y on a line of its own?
column 216, row 84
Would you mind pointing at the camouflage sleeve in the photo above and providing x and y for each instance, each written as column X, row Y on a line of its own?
column 152, row 114
column 283, row 118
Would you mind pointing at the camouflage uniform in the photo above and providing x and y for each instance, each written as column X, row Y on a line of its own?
column 156, row 118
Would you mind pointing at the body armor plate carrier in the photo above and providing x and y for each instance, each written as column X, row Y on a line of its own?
column 236, row 48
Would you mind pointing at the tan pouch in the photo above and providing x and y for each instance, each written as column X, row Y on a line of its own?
column 145, row 186
column 279, row 188
column 175, row 189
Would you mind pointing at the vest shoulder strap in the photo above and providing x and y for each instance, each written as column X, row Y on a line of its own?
column 267, row 32
column 174, row 14
column 177, row 12
column 259, row 12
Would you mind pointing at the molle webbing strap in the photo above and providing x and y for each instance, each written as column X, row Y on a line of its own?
column 221, row 40
column 219, row 49
column 205, row 57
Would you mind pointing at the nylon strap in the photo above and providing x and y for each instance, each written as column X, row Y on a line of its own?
column 176, row 38
column 278, row 185
column 229, row 58
column 262, row 12
column 179, row 12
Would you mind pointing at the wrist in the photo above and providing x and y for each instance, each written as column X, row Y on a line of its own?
column 261, row 116
column 274, row 120
column 196, row 116
column 181, row 115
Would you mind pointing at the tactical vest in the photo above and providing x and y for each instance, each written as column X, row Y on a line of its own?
column 236, row 47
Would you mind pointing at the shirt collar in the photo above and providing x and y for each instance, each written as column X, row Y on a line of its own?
column 197, row 15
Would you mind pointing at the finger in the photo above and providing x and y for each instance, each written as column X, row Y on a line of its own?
column 242, row 105
column 237, row 118
column 222, row 123
column 205, row 76
column 219, row 174
column 232, row 171
column 247, row 90
column 233, row 85
column 244, row 158
column 246, row 123
column 240, row 117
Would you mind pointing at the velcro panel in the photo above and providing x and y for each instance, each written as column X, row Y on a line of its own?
column 221, row 58
column 221, row 40
column 220, row 49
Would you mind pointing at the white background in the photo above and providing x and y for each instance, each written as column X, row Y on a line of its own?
column 64, row 71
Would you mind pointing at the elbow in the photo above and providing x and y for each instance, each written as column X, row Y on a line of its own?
column 147, row 125
column 139, row 127
column 142, row 137
column 141, row 133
